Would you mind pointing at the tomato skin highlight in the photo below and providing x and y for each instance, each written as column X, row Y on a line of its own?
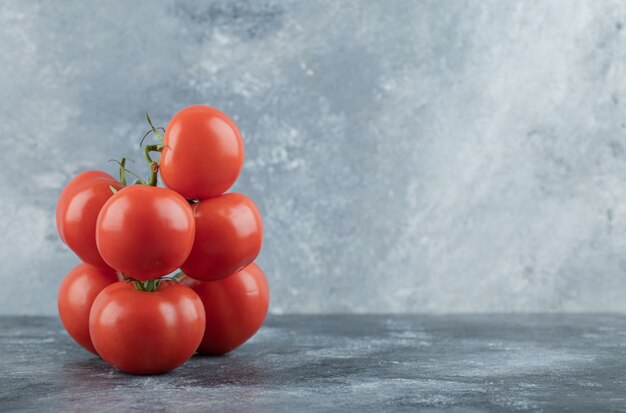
column 77, row 211
column 235, row 306
column 145, row 232
column 229, row 235
column 203, row 153
column 141, row 332
column 77, row 292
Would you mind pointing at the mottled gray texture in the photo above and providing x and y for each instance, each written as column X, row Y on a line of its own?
column 365, row 363
column 406, row 155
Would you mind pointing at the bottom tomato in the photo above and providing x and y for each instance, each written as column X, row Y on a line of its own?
column 143, row 332
column 235, row 306
column 77, row 293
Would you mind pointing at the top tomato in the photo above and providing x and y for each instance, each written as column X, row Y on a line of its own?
column 203, row 153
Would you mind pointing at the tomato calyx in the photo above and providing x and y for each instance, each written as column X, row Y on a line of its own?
column 148, row 286
column 151, row 286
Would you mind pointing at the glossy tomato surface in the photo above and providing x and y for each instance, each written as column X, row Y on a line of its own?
column 77, row 211
column 203, row 153
column 145, row 232
column 147, row 332
column 229, row 233
column 76, row 295
column 235, row 307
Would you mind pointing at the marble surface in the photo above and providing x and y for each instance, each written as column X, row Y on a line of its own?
column 407, row 156
column 373, row 363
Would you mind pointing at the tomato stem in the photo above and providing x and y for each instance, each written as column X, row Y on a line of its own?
column 154, row 169
column 151, row 148
column 123, row 171
column 154, row 166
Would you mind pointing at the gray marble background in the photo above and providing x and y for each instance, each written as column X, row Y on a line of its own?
column 416, row 156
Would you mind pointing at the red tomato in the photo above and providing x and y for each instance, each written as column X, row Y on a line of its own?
column 145, row 232
column 76, row 295
column 77, row 212
column 235, row 307
column 142, row 332
column 203, row 153
column 229, row 233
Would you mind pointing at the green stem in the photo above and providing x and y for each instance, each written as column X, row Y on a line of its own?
column 148, row 149
column 154, row 166
column 155, row 130
column 123, row 171
column 139, row 180
column 154, row 169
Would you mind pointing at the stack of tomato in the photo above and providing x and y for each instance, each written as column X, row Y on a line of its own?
column 122, row 302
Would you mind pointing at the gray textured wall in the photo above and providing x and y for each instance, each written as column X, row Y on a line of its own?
column 416, row 156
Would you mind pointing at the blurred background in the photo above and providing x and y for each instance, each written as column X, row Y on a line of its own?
column 407, row 156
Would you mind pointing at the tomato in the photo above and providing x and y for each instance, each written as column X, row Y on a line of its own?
column 145, row 232
column 235, row 307
column 203, row 153
column 76, row 295
column 143, row 332
column 229, row 234
column 77, row 212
